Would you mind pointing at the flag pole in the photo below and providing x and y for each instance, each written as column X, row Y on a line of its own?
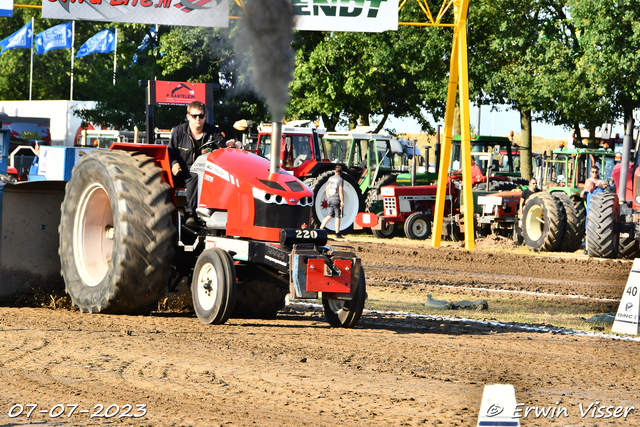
column 115, row 53
column 73, row 54
column 31, row 72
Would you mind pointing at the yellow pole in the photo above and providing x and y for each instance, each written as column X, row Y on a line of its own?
column 465, row 124
column 445, row 152
column 458, row 79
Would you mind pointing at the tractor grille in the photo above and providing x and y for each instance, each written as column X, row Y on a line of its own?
column 389, row 205
column 281, row 216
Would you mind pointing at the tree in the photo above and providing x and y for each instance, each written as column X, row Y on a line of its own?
column 525, row 54
column 610, row 42
column 354, row 76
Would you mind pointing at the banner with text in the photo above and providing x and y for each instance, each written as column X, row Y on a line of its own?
column 372, row 16
column 180, row 93
column 58, row 37
column 196, row 13
column 6, row 8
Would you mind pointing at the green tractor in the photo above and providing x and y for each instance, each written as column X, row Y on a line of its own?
column 554, row 220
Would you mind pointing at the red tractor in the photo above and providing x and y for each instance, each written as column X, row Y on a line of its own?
column 412, row 208
column 121, row 238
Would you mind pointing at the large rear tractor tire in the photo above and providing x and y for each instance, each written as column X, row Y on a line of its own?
column 628, row 247
column 385, row 233
column 373, row 203
column 575, row 227
column 602, row 233
column 116, row 233
column 417, row 226
column 213, row 288
column 352, row 201
column 543, row 222
column 346, row 314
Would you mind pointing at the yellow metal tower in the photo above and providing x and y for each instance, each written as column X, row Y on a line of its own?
column 458, row 85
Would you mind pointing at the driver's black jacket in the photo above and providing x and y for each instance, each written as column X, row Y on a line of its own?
column 184, row 149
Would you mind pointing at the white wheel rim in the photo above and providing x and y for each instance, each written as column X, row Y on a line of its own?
column 93, row 235
column 351, row 206
column 207, row 287
column 419, row 227
column 535, row 222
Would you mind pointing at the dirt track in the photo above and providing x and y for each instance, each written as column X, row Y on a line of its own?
column 295, row 370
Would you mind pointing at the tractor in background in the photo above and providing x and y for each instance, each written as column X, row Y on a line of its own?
column 411, row 207
column 375, row 160
column 555, row 219
column 613, row 226
column 122, row 240
column 369, row 161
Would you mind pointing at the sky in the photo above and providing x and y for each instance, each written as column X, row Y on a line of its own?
column 499, row 123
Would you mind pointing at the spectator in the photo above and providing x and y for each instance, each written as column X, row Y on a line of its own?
column 593, row 184
column 185, row 146
column 335, row 199
column 475, row 169
column 528, row 192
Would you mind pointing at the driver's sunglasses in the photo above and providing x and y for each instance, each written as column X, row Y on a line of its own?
column 594, row 171
column 197, row 116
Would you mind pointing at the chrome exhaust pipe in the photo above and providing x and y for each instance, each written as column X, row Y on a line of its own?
column 276, row 144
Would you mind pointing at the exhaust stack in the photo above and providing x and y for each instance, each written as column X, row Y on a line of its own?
column 276, row 143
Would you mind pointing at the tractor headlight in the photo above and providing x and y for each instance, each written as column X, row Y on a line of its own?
column 305, row 201
column 268, row 197
column 638, row 199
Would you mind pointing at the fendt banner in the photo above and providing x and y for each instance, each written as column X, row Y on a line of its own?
column 311, row 15
column 196, row 13
column 373, row 16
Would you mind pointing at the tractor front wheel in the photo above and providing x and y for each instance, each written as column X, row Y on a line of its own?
column 116, row 233
column 213, row 288
column 543, row 222
column 417, row 226
column 346, row 314
column 387, row 232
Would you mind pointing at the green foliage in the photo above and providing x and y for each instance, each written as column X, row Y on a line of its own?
column 610, row 43
column 527, row 54
column 342, row 75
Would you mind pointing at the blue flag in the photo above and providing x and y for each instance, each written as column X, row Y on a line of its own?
column 103, row 42
column 21, row 39
column 58, row 37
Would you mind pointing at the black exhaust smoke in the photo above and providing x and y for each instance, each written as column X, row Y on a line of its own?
column 266, row 31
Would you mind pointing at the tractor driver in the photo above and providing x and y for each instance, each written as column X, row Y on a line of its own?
column 185, row 146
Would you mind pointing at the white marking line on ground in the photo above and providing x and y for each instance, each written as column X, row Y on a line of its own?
column 520, row 326
column 542, row 294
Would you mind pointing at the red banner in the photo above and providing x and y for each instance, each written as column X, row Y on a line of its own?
column 178, row 93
